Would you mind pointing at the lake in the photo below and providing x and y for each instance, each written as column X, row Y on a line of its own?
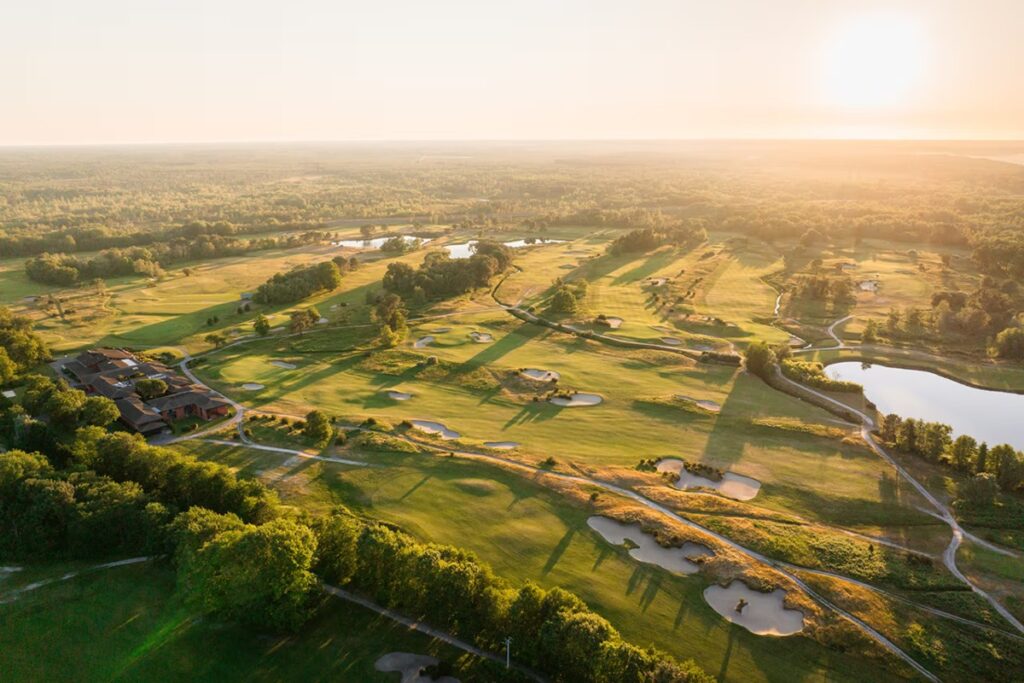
column 987, row 415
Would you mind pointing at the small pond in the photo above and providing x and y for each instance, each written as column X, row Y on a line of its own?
column 987, row 415
column 376, row 242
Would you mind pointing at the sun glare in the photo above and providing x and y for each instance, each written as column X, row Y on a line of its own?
column 874, row 62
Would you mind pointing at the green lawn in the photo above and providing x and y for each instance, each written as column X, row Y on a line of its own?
column 126, row 624
column 529, row 533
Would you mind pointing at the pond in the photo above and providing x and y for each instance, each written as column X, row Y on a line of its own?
column 465, row 249
column 985, row 414
column 376, row 242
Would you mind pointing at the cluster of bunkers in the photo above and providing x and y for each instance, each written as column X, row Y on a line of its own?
column 114, row 372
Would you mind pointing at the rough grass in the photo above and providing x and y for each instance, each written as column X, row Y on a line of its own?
column 127, row 624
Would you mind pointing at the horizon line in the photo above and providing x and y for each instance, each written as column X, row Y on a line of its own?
column 411, row 141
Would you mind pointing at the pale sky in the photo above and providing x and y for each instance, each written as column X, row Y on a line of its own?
column 114, row 71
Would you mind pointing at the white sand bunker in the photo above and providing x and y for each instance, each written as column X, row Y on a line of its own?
column 322, row 321
column 481, row 337
column 760, row 613
column 704, row 403
column 671, row 341
column 442, row 330
column 411, row 667
column 252, row 386
column 576, row 400
column 502, row 445
column 647, row 549
column 732, row 485
column 868, row 285
column 431, row 427
column 398, row 395
column 423, row 341
column 540, row 375
column 284, row 364
column 662, row 328
column 657, row 281
column 612, row 321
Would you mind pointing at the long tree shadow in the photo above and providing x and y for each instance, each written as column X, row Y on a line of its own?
column 653, row 264
column 521, row 335
column 559, row 550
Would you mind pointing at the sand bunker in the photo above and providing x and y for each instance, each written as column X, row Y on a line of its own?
column 761, row 613
column 657, row 281
column 539, row 375
column 868, row 285
column 732, row 485
column 252, row 386
column 398, row 395
column 662, row 328
column 648, row 550
column 431, row 427
column 284, row 364
column 481, row 337
column 612, row 321
column 502, row 445
column 442, row 330
column 671, row 341
column 411, row 667
column 576, row 400
column 704, row 403
column 423, row 341
column 322, row 321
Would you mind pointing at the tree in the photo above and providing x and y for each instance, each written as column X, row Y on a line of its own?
column 760, row 360
column 257, row 575
column 99, row 411
column 1008, row 466
column 64, row 407
column 870, row 333
column 934, row 440
column 389, row 314
column 963, row 452
column 318, row 429
column 261, row 325
column 981, row 462
column 1010, row 343
column 302, row 320
column 8, row 368
column 150, row 388
column 336, row 550
column 890, row 427
column 216, row 339
column 564, row 301
column 980, row 490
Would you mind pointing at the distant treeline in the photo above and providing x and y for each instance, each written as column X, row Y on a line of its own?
column 441, row 277
column 66, row 270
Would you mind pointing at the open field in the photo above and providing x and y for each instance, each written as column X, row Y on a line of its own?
column 125, row 624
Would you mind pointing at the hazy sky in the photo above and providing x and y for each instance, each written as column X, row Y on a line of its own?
column 213, row 70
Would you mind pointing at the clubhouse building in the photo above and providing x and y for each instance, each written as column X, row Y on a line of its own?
column 114, row 372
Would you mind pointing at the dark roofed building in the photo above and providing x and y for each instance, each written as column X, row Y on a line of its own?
column 191, row 403
column 114, row 372
column 139, row 416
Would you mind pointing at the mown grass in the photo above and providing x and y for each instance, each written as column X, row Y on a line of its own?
column 527, row 532
column 127, row 624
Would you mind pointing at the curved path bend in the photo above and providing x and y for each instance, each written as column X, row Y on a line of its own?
column 942, row 511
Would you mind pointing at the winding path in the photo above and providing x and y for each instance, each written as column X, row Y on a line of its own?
column 943, row 512
column 423, row 628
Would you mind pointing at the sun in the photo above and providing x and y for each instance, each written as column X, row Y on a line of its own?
column 874, row 61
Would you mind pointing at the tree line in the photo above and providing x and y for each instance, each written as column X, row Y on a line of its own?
column 440, row 277
column 302, row 282
column 999, row 468
column 66, row 270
